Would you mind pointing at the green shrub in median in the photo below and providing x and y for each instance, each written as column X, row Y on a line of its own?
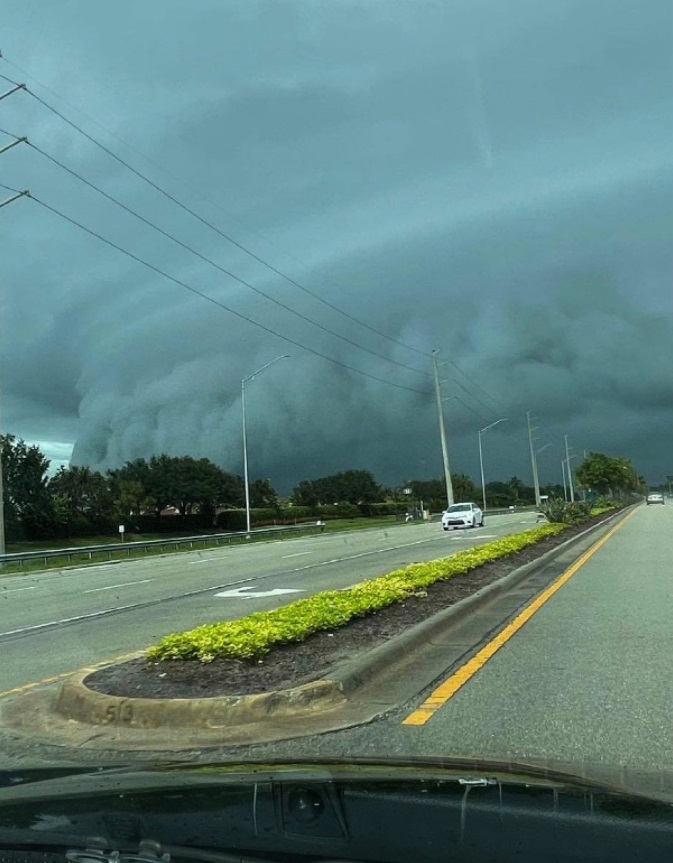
column 563, row 512
column 251, row 637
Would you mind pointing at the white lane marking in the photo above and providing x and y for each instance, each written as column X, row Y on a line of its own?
column 296, row 554
column 17, row 589
column 473, row 536
column 204, row 560
column 380, row 551
column 251, row 593
column 113, row 586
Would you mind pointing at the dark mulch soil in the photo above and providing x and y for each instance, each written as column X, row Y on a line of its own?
column 298, row 663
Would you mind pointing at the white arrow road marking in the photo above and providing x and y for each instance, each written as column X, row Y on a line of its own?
column 251, row 593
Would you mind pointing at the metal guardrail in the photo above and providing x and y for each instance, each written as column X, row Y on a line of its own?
column 505, row 510
column 173, row 542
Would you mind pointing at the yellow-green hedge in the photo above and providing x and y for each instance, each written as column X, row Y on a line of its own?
column 253, row 636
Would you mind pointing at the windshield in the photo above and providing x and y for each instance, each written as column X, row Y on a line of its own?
column 282, row 285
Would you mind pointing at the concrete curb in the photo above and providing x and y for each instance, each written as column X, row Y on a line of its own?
column 76, row 701
column 79, row 703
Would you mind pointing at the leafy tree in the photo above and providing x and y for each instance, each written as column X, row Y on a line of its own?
column 433, row 491
column 552, row 490
column 519, row 492
column 131, row 483
column 350, row 486
column 27, row 503
column 499, row 494
column 130, row 495
column 263, row 494
column 87, row 497
column 306, row 494
column 184, row 482
column 463, row 488
column 428, row 490
column 608, row 475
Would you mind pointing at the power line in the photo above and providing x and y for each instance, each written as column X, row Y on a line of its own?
column 230, row 239
column 495, row 400
column 471, row 395
column 215, row 302
column 227, row 237
column 201, row 195
column 208, row 260
column 204, row 221
column 471, row 409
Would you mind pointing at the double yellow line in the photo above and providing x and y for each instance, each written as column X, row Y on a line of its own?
column 459, row 678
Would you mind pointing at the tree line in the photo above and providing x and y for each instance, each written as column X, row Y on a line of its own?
column 78, row 501
column 184, row 493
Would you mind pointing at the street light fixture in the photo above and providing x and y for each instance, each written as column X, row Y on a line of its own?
column 245, row 437
column 481, row 458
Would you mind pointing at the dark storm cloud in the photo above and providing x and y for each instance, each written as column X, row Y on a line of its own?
column 490, row 178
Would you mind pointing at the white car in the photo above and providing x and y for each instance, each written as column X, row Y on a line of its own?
column 462, row 515
column 654, row 497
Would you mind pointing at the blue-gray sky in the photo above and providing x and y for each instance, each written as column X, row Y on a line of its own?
column 492, row 179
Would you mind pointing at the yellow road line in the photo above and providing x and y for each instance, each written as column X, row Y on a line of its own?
column 27, row 686
column 459, row 678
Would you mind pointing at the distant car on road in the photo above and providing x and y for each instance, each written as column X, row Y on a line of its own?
column 654, row 497
column 462, row 515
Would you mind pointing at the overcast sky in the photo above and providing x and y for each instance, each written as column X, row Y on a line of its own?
column 490, row 178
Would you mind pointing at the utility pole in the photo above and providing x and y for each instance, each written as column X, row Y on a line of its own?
column 565, row 487
column 571, row 490
column 533, row 460
column 442, row 433
column 4, row 203
column 2, row 509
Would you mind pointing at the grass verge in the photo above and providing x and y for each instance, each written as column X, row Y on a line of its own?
column 253, row 636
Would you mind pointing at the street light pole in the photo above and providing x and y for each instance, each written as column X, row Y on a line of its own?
column 246, row 480
column 537, row 453
column 570, row 472
column 533, row 460
column 442, row 433
column 565, row 487
column 481, row 458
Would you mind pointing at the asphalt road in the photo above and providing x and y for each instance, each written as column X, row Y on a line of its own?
column 586, row 681
column 56, row 622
